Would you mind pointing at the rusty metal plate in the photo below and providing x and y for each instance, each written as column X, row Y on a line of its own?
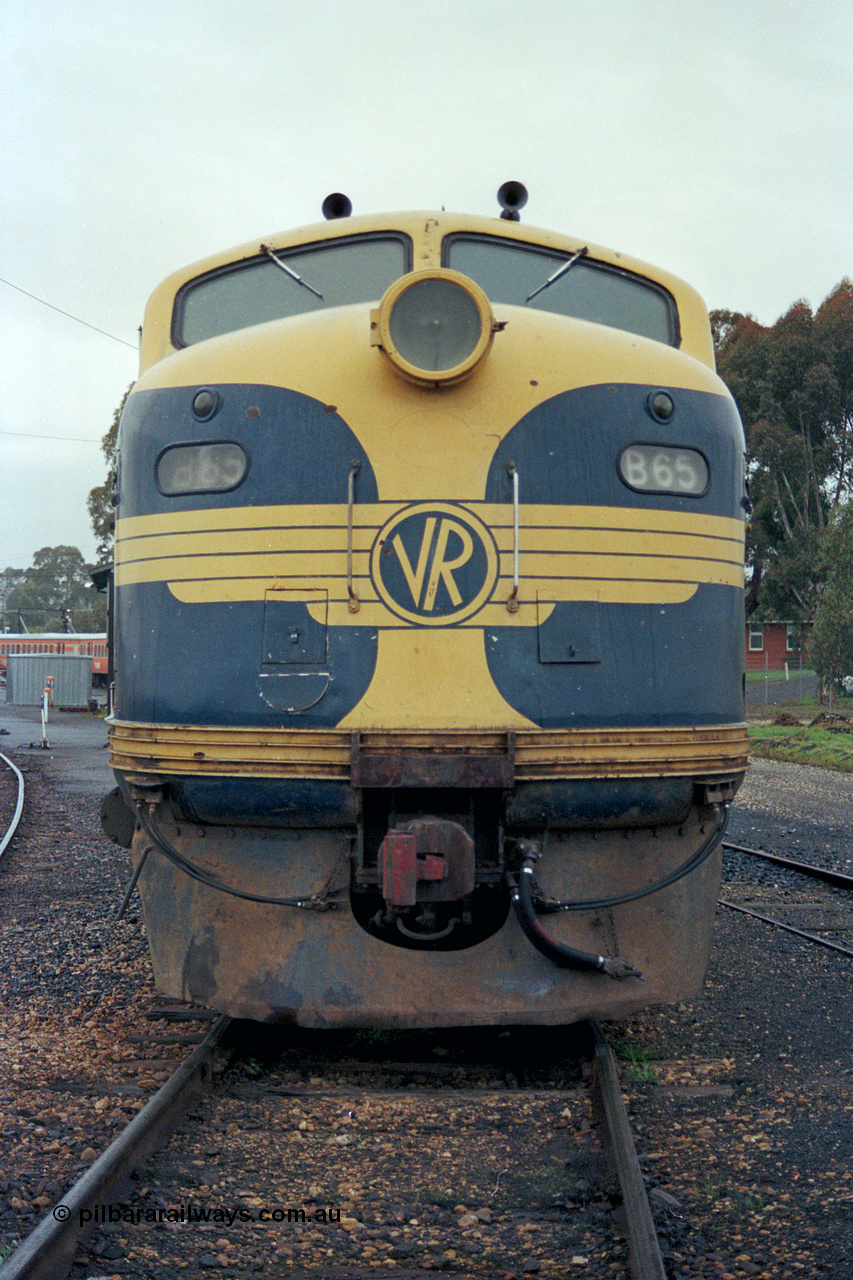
column 432, row 771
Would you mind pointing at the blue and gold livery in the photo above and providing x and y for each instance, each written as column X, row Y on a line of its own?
column 429, row 572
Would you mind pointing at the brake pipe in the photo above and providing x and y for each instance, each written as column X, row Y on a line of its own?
column 568, row 957
column 695, row 860
column 160, row 844
column 557, row 952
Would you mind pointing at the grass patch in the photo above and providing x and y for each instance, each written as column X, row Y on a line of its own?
column 440, row 1197
column 368, row 1039
column 546, row 1184
column 824, row 746
column 713, row 1192
column 636, row 1063
column 775, row 676
column 805, row 710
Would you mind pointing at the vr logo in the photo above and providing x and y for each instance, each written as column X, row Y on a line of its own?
column 434, row 564
column 442, row 568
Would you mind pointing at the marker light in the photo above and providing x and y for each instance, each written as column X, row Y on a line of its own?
column 205, row 403
column 660, row 405
column 434, row 326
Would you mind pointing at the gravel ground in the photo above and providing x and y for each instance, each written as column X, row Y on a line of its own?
column 797, row 811
column 465, row 1176
column 742, row 1101
column 75, row 985
column 747, row 1110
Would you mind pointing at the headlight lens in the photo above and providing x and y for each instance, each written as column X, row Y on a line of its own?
column 435, row 326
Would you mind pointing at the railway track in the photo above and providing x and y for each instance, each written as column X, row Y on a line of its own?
column 48, row 1252
column 345, row 1122
column 11, row 802
column 809, row 901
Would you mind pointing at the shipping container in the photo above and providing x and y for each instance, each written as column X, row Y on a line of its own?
column 27, row 677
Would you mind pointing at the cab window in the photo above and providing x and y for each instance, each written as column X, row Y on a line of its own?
column 288, row 282
column 528, row 276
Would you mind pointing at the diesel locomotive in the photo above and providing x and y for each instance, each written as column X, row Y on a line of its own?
column 428, row 618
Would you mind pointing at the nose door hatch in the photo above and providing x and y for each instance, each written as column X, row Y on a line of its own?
column 293, row 635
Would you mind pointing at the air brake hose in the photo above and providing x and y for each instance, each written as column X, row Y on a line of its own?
column 568, row 957
column 557, row 952
column 161, row 845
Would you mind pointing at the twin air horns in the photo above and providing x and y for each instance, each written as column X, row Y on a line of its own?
column 511, row 197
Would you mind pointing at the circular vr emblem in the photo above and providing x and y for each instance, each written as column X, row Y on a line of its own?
column 434, row 564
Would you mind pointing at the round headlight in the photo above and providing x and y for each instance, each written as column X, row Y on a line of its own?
column 435, row 326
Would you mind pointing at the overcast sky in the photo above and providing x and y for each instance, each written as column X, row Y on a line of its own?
column 713, row 139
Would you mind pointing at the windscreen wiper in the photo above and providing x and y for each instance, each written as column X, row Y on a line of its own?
column 561, row 271
column 288, row 270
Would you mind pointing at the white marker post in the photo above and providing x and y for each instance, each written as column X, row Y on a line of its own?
column 45, row 697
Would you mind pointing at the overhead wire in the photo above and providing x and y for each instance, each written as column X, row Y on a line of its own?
column 35, row 435
column 67, row 314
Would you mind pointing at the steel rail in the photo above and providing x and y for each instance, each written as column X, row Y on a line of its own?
column 48, row 1252
column 789, row 928
column 644, row 1255
column 16, row 818
column 837, row 878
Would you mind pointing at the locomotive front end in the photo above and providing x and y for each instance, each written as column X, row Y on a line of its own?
column 429, row 670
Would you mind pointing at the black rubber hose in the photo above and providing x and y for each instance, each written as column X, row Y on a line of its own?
column 557, row 952
column 695, row 860
column 569, row 957
column 162, row 845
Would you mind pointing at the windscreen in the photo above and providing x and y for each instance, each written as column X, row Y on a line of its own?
column 570, row 285
column 288, row 282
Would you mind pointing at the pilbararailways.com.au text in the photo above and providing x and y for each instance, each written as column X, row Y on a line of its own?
column 134, row 1215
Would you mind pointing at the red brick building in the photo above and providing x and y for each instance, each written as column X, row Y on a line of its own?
column 769, row 645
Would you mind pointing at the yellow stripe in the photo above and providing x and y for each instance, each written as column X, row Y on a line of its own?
column 330, row 544
column 320, row 570
column 247, row 541
column 629, row 568
column 568, row 539
column 373, row 515
column 304, row 565
column 372, row 613
column 566, row 553
column 539, row 754
column 221, row 518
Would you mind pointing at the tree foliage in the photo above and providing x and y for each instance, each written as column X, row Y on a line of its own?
column 100, row 500
column 56, row 591
column 831, row 647
column 793, row 383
